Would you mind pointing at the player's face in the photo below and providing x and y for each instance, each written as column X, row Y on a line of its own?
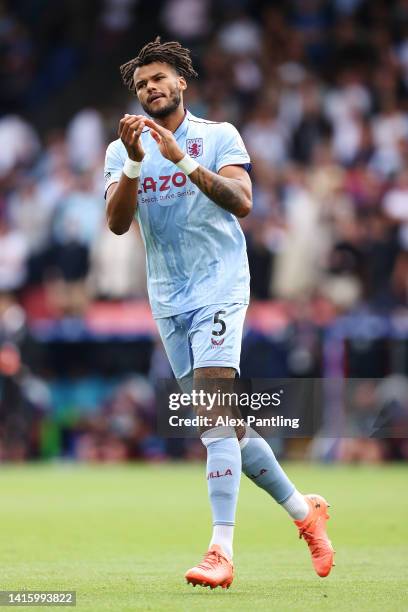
column 159, row 89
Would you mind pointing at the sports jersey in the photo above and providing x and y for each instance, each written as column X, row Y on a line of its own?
column 195, row 250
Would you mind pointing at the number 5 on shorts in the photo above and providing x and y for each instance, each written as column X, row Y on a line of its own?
column 218, row 321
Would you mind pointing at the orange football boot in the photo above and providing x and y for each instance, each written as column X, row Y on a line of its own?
column 214, row 570
column 313, row 530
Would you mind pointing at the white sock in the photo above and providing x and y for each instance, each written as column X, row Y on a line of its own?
column 296, row 506
column 223, row 536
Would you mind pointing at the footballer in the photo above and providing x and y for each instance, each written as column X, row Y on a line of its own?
column 186, row 181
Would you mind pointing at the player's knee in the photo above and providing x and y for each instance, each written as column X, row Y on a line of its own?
column 201, row 375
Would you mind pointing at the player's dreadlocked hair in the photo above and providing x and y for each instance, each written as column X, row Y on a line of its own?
column 168, row 52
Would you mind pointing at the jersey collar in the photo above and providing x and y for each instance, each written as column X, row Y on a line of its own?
column 182, row 128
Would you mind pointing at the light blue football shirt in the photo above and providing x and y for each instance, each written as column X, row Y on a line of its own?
column 195, row 251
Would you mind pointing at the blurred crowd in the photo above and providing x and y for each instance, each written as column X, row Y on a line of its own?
column 319, row 92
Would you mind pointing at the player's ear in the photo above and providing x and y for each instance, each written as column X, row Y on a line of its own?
column 183, row 83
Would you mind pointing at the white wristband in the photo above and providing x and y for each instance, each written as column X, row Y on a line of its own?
column 132, row 168
column 187, row 164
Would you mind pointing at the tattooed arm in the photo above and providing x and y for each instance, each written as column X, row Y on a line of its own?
column 231, row 188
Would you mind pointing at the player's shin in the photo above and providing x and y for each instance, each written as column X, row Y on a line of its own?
column 223, row 478
column 261, row 466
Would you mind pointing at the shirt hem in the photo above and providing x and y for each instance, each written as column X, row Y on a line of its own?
column 178, row 311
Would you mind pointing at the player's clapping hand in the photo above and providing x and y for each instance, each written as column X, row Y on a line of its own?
column 130, row 128
column 166, row 142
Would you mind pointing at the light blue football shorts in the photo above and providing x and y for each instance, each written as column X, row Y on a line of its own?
column 208, row 336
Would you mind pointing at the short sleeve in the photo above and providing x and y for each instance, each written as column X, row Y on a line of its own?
column 230, row 148
column 113, row 164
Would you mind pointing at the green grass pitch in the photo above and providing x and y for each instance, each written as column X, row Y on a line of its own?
column 122, row 537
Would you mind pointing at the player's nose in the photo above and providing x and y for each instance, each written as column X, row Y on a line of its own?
column 151, row 88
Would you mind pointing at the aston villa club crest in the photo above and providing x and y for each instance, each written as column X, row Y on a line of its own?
column 194, row 147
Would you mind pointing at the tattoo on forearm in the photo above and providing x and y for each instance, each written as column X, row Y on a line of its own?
column 225, row 192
